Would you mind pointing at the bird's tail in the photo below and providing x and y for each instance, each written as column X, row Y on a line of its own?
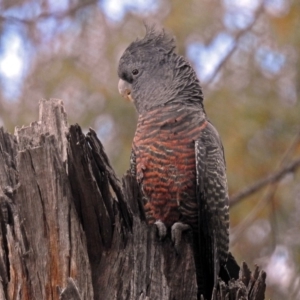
column 230, row 270
column 203, row 257
column 205, row 263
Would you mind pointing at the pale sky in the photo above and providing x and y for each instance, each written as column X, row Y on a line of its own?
column 11, row 63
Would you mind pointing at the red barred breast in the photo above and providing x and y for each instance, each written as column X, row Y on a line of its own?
column 164, row 147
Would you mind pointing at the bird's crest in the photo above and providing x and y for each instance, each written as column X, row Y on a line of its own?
column 154, row 40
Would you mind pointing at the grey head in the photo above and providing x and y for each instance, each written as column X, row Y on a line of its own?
column 152, row 74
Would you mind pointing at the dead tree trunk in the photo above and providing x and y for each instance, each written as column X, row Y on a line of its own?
column 70, row 230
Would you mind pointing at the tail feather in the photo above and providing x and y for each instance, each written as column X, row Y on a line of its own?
column 203, row 257
column 230, row 270
column 208, row 267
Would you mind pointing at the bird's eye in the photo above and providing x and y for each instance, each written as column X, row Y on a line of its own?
column 135, row 71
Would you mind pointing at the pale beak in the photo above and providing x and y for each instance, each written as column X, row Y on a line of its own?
column 125, row 89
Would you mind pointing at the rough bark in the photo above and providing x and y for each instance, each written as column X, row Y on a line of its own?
column 71, row 230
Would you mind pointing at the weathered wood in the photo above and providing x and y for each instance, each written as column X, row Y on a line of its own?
column 133, row 264
column 70, row 229
column 42, row 242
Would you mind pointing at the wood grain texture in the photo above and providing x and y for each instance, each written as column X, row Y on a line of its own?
column 70, row 229
column 42, row 241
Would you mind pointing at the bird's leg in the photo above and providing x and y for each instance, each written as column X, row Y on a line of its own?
column 176, row 233
column 161, row 228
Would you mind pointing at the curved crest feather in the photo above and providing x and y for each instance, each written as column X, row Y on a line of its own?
column 159, row 40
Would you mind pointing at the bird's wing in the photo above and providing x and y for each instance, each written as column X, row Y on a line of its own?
column 132, row 164
column 212, row 198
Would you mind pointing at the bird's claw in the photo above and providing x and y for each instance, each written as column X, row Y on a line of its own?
column 176, row 233
column 161, row 229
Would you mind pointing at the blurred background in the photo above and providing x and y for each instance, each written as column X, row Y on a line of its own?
column 247, row 56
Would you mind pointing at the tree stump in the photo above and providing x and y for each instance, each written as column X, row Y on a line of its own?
column 70, row 229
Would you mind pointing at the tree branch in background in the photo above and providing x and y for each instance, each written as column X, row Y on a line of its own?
column 272, row 178
column 238, row 36
column 44, row 15
column 268, row 197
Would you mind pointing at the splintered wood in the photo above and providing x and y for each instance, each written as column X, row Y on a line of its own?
column 70, row 229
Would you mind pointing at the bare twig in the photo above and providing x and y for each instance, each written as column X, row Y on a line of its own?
column 268, row 197
column 275, row 177
column 238, row 36
column 272, row 178
column 265, row 200
column 44, row 15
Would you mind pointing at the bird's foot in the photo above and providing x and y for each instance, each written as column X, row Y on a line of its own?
column 176, row 233
column 161, row 229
